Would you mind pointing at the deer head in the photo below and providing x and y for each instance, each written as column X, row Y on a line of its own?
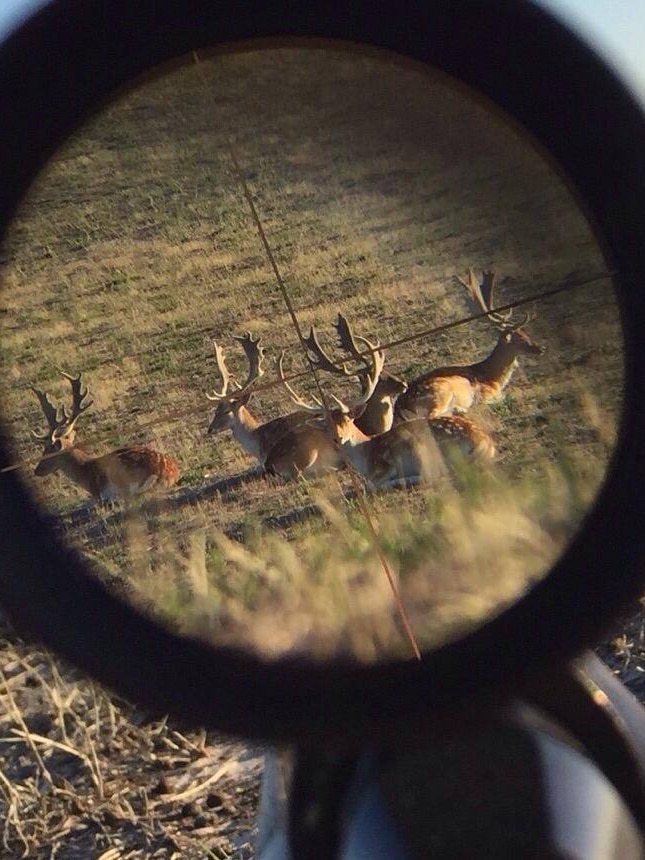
column 230, row 401
column 511, row 333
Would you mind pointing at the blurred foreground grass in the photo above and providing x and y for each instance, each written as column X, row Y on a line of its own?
column 459, row 551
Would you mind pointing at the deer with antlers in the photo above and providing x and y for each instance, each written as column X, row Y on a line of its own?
column 125, row 472
column 313, row 448
column 232, row 412
column 408, row 452
column 455, row 389
column 319, row 453
column 450, row 431
column 378, row 414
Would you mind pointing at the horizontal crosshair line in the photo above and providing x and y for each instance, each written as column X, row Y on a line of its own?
column 205, row 330
column 545, row 294
column 267, row 386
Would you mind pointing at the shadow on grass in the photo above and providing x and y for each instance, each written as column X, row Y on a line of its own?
column 97, row 522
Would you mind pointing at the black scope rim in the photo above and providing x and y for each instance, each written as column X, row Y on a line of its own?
column 69, row 58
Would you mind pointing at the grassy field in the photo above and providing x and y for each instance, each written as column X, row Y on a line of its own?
column 376, row 185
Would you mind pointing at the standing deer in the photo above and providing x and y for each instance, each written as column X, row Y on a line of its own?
column 455, row 389
column 124, row 472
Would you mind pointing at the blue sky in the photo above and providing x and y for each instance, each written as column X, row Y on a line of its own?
column 615, row 27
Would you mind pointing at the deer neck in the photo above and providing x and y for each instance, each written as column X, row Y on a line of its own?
column 498, row 367
column 378, row 415
column 81, row 468
column 244, row 429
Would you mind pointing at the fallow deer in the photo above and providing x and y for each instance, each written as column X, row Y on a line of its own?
column 124, row 472
column 232, row 412
column 457, row 431
column 258, row 439
column 449, row 431
column 455, row 389
column 407, row 453
column 411, row 452
column 379, row 409
column 313, row 448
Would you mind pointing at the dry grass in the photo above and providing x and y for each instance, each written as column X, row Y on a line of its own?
column 376, row 186
column 86, row 775
column 136, row 246
column 315, row 584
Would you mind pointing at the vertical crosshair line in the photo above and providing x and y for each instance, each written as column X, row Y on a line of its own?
column 294, row 319
column 296, row 325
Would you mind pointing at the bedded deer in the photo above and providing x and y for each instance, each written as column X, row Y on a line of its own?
column 258, row 439
column 378, row 415
column 409, row 452
column 412, row 451
column 464, row 435
column 454, row 431
column 455, row 389
column 314, row 447
column 125, row 472
column 232, row 412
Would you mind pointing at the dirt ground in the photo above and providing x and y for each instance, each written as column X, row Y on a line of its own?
column 85, row 775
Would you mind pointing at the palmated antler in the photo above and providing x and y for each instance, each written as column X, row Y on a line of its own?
column 78, row 407
column 51, row 414
column 483, row 294
column 254, row 355
column 348, row 341
column 369, row 381
column 320, row 359
column 59, row 427
column 223, row 372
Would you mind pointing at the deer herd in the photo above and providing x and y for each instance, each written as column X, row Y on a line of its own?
column 393, row 433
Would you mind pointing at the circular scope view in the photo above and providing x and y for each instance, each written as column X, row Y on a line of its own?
column 309, row 351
